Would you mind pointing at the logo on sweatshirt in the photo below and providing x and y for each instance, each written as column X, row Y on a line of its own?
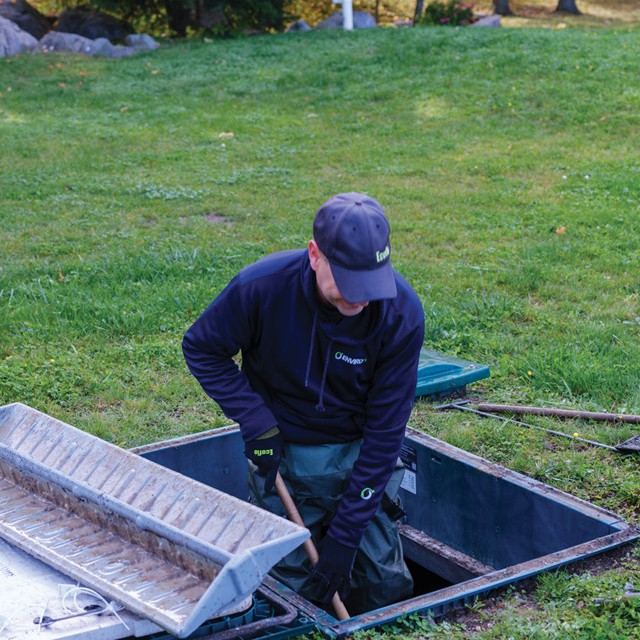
column 348, row 359
column 367, row 493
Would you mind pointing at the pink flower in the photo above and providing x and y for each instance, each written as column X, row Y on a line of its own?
column 444, row 20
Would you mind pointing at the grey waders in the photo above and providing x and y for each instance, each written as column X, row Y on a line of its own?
column 317, row 476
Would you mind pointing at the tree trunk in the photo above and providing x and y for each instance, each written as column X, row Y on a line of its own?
column 179, row 16
column 418, row 12
column 569, row 6
column 210, row 15
column 502, row 8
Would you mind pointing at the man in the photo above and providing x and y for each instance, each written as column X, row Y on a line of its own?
column 330, row 339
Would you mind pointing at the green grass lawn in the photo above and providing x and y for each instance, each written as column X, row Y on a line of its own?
column 507, row 159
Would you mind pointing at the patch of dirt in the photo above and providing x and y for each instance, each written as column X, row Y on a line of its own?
column 485, row 618
column 217, row 219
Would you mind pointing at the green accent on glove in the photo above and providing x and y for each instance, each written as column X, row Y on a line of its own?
column 265, row 452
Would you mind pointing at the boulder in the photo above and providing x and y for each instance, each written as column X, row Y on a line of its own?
column 92, row 24
column 487, row 21
column 298, row 25
column 141, row 42
column 73, row 43
column 105, row 48
column 13, row 40
column 25, row 16
column 361, row 20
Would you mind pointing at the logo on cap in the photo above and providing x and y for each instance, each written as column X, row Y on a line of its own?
column 382, row 255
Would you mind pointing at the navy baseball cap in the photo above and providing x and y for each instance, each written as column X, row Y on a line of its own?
column 352, row 231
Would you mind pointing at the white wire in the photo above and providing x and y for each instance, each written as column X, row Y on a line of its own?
column 75, row 606
column 75, row 591
column 10, row 622
column 44, row 610
column 108, row 607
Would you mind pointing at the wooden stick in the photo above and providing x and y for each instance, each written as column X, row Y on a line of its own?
column 560, row 413
column 309, row 547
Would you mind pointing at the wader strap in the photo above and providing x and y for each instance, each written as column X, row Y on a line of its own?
column 393, row 509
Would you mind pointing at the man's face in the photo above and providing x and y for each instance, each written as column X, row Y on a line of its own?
column 327, row 288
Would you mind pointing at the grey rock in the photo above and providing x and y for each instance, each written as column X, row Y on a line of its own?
column 106, row 49
column 25, row 16
column 487, row 21
column 361, row 20
column 59, row 41
column 13, row 40
column 298, row 25
column 103, row 47
column 73, row 43
column 141, row 41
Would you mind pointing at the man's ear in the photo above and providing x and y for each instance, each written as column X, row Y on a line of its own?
column 314, row 254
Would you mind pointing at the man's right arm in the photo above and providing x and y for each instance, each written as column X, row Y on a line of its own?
column 209, row 347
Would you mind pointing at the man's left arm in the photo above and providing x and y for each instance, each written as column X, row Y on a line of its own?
column 388, row 410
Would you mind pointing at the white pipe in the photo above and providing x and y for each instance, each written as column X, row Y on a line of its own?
column 347, row 14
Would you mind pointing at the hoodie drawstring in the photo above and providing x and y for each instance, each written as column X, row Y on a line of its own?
column 313, row 339
column 320, row 405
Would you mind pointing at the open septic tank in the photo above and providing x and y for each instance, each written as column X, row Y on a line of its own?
column 178, row 509
column 471, row 526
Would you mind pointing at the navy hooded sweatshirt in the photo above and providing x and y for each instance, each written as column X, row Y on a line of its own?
column 321, row 377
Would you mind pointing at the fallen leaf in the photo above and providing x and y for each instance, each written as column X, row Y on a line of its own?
column 226, row 134
column 561, row 230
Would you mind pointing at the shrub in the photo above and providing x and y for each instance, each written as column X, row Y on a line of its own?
column 180, row 17
column 452, row 13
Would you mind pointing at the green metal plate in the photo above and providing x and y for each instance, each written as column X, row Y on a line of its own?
column 439, row 374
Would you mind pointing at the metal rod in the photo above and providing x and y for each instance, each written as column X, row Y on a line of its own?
column 560, row 413
column 96, row 609
column 455, row 405
column 309, row 547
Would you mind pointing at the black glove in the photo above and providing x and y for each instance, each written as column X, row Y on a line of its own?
column 265, row 453
column 332, row 573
